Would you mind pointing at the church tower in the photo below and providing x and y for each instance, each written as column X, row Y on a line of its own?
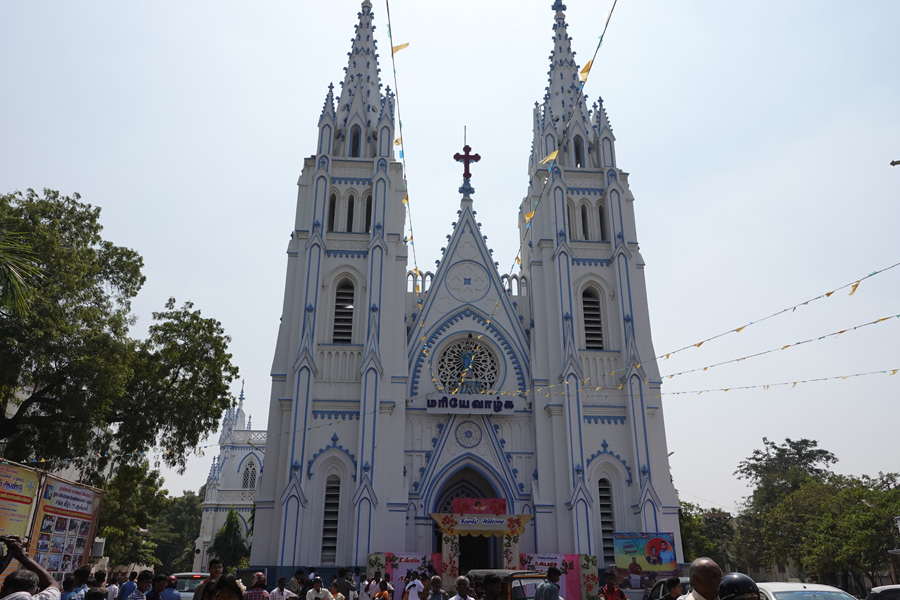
column 341, row 339
column 596, row 383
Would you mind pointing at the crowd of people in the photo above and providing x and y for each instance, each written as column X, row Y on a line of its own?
column 33, row 582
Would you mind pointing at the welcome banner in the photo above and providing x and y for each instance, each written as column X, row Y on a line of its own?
column 18, row 487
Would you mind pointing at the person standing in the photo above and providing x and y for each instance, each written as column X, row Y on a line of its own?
column 215, row 571
column 257, row 589
column 462, row 589
column 171, row 592
column 31, row 581
column 280, row 593
column 634, row 573
column 705, row 576
column 158, row 584
column 144, row 581
column 549, row 589
column 345, row 583
column 79, row 582
column 413, row 587
column 435, row 591
column 129, row 586
column 610, row 591
column 112, row 590
column 673, row 588
column 318, row 592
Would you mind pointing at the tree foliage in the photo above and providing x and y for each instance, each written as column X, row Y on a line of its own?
column 74, row 387
column 229, row 545
column 705, row 533
column 134, row 497
column 176, row 529
column 18, row 270
column 833, row 528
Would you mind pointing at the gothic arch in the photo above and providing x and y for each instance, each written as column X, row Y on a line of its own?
column 333, row 462
column 433, row 490
column 250, row 455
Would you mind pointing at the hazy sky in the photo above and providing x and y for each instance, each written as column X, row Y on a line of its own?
column 758, row 136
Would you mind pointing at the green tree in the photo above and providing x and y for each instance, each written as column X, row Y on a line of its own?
column 694, row 541
column 134, row 498
column 175, row 530
column 18, row 271
column 775, row 471
column 74, row 387
column 229, row 544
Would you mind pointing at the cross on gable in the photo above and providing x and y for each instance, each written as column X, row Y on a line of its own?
column 466, row 159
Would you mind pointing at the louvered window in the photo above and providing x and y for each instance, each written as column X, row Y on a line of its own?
column 330, row 520
column 607, row 524
column 343, row 314
column 593, row 325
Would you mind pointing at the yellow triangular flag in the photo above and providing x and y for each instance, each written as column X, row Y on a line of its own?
column 784, row 347
column 698, row 344
column 398, row 141
column 398, row 48
column 550, row 157
column 584, row 72
column 894, row 372
column 829, row 294
column 529, row 216
column 853, row 290
column 417, row 271
column 405, row 199
column 739, row 329
column 667, row 355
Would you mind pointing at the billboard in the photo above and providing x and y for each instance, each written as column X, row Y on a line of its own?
column 18, row 487
column 64, row 525
column 644, row 557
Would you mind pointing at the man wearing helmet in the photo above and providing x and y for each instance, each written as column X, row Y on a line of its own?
column 737, row 586
column 257, row 589
column 170, row 593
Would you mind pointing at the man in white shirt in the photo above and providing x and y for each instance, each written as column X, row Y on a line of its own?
column 414, row 587
column 705, row 576
column 462, row 589
column 318, row 592
column 32, row 581
column 280, row 593
column 112, row 590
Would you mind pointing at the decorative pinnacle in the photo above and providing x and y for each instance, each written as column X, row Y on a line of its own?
column 558, row 6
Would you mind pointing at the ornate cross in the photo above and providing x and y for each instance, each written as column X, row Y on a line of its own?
column 466, row 159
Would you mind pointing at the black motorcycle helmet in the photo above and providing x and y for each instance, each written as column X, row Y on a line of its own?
column 737, row 586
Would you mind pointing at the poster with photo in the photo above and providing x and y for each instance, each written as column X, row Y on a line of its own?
column 73, row 510
column 18, row 488
column 644, row 557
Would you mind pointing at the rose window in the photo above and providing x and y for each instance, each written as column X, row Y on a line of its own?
column 467, row 367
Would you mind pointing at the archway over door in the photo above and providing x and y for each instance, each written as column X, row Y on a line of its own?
column 475, row 552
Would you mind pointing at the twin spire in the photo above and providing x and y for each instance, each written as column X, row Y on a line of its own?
column 361, row 88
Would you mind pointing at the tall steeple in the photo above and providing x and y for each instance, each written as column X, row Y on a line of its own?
column 551, row 118
column 360, row 101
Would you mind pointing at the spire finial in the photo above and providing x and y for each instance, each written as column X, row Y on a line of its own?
column 558, row 6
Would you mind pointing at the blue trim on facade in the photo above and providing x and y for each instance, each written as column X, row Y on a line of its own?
column 606, row 450
column 605, row 419
column 333, row 446
column 347, row 253
column 335, row 414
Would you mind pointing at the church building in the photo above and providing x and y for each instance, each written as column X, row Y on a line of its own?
column 395, row 392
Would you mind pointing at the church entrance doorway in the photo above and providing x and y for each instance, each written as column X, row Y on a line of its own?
column 475, row 552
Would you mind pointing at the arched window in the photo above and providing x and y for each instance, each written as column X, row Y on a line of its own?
column 351, row 207
column 579, row 152
column 570, row 215
column 325, row 140
column 369, row 213
column 584, row 223
column 593, row 325
column 550, row 142
column 355, row 141
column 601, row 212
column 523, row 286
column 343, row 313
column 330, row 519
column 607, row 523
column 249, row 480
column 332, row 208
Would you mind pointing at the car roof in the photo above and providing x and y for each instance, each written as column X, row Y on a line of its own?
column 501, row 573
column 189, row 574
column 782, row 586
column 884, row 588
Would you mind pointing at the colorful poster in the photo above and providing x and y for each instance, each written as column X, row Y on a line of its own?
column 18, row 487
column 493, row 506
column 642, row 558
column 569, row 564
column 398, row 564
column 64, row 525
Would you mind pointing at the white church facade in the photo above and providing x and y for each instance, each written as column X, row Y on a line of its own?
column 396, row 391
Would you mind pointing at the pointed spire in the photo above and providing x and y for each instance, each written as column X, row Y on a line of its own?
column 328, row 107
column 563, row 84
column 361, row 88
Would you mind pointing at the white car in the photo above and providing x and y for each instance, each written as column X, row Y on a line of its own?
column 801, row 591
column 884, row 592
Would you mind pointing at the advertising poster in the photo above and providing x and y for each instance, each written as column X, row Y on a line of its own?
column 642, row 558
column 568, row 564
column 64, row 525
column 398, row 564
column 18, row 487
